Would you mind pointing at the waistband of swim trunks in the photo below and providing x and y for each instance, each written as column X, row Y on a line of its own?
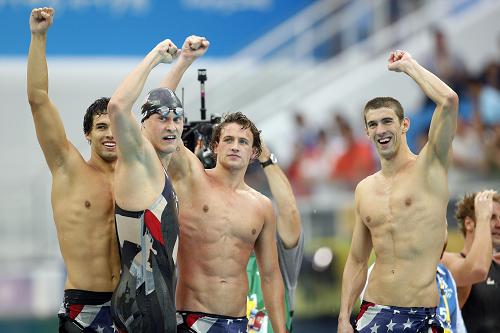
column 403, row 310
column 86, row 297
column 194, row 313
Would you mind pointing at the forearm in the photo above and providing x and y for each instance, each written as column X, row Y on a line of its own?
column 174, row 75
column 288, row 223
column 481, row 251
column 353, row 281
column 274, row 298
column 37, row 76
column 129, row 90
column 438, row 91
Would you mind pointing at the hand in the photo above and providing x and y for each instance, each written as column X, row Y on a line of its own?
column 483, row 205
column 264, row 155
column 344, row 327
column 194, row 47
column 398, row 60
column 41, row 19
column 167, row 51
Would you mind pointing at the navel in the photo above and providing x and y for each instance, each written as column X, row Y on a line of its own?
column 254, row 231
column 205, row 208
column 87, row 204
column 408, row 202
column 368, row 219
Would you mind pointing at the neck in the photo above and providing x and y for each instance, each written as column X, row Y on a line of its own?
column 393, row 165
column 230, row 178
column 164, row 159
column 102, row 165
column 469, row 238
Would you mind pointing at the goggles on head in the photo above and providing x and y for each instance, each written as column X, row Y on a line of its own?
column 163, row 111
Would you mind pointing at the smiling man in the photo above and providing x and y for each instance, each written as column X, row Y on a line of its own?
column 82, row 195
column 400, row 212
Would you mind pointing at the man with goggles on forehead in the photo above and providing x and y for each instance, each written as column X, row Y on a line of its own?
column 163, row 111
column 146, row 204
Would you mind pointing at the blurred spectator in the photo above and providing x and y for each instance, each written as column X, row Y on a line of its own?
column 356, row 161
column 446, row 64
column 489, row 97
column 305, row 134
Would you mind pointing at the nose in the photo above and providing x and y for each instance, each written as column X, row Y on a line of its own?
column 109, row 134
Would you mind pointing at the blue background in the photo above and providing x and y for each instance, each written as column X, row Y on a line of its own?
column 101, row 30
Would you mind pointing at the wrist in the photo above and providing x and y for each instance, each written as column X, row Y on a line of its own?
column 269, row 161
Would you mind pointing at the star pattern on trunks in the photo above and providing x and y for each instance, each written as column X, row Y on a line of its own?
column 390, row 326
column 407, row 324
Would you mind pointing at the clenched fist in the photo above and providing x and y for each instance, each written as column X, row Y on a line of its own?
column 41, row 19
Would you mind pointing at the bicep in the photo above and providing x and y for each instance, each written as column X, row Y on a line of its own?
column 442, row 130
column 50, row 134
column 127, row 132
column 265, row 246
column 361, row 243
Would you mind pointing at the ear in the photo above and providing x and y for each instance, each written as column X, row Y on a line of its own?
column 406, row 124
column 254, row 154
column 87, row 137
column 469, row 224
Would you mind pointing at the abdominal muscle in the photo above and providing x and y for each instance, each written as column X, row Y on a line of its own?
column 404, row 283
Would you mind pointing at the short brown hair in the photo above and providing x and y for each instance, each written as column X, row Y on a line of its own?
column 465, row 208
column 385, row 102
column 240, row 119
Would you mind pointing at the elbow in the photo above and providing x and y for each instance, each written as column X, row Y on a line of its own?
column 37, row 98
column 478, row 274
column 451, row 100
column 113, row 107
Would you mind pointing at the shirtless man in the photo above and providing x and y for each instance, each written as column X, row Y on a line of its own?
column 400, row 213
column 146, row 204
column 82, row 195
column 478, row 215
column 472, row 264
column 222, row 221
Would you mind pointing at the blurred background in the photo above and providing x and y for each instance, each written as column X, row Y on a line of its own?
column 301, row 69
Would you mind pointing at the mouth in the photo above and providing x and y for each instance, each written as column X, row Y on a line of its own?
column 233, row 156
column 170, row 138
column 109, row 144
column 384, row 142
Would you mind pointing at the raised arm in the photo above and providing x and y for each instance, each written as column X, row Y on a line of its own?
column 475, row 266
column 193, row 48
column 355, row 269
column 444, row 120
column 123, row 123
column 181, row 164
column 48, row 124
column 288, row 222
column 267, row 259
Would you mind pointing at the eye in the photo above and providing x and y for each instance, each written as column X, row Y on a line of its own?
column 162, row 118
column 372, row 125
column 243, row 142
column 177, row 119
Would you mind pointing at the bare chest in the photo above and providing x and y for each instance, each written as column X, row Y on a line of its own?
column 215, row 215
column 85, row 199
column 395, row 203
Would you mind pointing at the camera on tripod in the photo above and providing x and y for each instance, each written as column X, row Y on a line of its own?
column 196, row 131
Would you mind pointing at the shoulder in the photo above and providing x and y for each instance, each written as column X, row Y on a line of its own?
column 366, row 183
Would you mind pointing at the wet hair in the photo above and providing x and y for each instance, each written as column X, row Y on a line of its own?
column 240, row 119
column 100, row 106
column 465, row 208
column 385, row 102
